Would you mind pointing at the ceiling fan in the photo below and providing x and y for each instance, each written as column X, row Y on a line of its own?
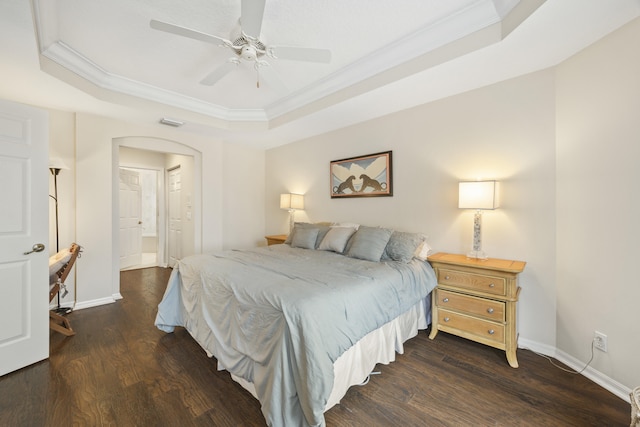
column 246, row 45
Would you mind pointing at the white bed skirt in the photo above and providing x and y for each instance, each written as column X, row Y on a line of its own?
column 378, row 346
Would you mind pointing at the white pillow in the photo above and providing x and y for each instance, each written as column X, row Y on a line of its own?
column 336, row 239
column 423, row 251
column 348, row 224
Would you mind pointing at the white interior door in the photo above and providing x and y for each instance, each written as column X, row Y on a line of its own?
column 24, row 278
column 130, row 218
column 175, row 217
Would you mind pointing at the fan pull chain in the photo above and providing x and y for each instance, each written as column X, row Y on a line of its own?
column 258, row 77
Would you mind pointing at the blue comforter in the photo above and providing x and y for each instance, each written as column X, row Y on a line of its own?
column 279, row 317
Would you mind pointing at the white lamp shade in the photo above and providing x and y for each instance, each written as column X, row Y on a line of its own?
column 478, row 195
column 291, row 201
column 57, row 163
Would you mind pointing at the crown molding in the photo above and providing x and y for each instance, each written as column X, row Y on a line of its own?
column 473, row 27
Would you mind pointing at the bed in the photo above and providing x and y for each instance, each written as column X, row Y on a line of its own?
column 297, row 324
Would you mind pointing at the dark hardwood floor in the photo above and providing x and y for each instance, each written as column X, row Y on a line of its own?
column 119, row 370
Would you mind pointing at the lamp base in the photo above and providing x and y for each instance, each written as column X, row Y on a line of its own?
column 477, row 252
column 292, row 219
column 477, row 255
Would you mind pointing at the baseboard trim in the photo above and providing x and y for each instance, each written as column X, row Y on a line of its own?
column 94, row 303
column 594, row 375
column 68, row 304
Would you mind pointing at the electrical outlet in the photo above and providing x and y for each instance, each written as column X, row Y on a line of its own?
column 600, row 341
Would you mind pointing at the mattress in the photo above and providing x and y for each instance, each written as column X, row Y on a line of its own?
column 355, row 365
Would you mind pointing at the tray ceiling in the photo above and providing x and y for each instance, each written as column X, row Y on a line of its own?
column 386, row 56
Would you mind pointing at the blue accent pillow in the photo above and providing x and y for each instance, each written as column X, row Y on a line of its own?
column 322, row 230
column 336, row 239
column 368, row 243
column 305, row 238
column 402, row 246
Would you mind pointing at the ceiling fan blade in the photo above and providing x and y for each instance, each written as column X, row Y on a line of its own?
column 187, row 32
column 214, row 76
column 300, row 54
column 251, row 14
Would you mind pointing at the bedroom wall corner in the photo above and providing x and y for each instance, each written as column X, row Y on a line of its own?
column 597, row 203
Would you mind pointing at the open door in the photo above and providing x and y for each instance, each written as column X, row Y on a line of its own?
column 130, row 218
column 24, row 273
column 175, row 216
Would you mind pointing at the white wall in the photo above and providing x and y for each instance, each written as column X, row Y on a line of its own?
column 598, row 205
column 504, row 132
column 244, row 169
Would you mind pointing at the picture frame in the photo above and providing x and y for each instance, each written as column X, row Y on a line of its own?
column 362, row 176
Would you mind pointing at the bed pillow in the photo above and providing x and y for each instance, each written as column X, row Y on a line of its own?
column 402, row 246
column 305, row 238
column 322, row 230
column 348, row 224
column 296, row 226
column 368, row 243
column 336, row 239
column 423, row 251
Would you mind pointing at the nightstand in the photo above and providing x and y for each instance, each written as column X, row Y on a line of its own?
column 476, row 299
column 276, row 239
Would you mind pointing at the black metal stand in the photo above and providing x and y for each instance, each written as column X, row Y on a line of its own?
column 55, row 172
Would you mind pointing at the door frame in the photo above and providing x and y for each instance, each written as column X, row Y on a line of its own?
column 167, row 179
column 161, row 146
column 160, row 202
column 123, row 171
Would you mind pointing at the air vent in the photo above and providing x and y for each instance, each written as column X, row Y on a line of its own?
column 171, row 122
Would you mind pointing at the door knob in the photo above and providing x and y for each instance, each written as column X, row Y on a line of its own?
column 38, row 247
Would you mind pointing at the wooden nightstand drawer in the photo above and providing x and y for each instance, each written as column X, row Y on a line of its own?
column 476, row 299
column 475, row 282
column 481, row 307
column 450, row 321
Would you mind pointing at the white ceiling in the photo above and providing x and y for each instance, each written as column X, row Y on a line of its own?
column 103, row 57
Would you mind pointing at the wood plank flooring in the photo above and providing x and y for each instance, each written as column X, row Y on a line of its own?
column 119, row 370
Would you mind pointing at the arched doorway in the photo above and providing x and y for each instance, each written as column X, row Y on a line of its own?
column 164, row 155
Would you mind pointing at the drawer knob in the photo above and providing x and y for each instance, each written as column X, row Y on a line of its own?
column 490, row 310
column 446, row 319
column 491, row 331
column 446, row 277
column 445, row 300
column 492, row 285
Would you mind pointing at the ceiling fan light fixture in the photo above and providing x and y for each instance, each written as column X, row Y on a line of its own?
column 171, row 122
column 247, row 45
column 248, row 53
